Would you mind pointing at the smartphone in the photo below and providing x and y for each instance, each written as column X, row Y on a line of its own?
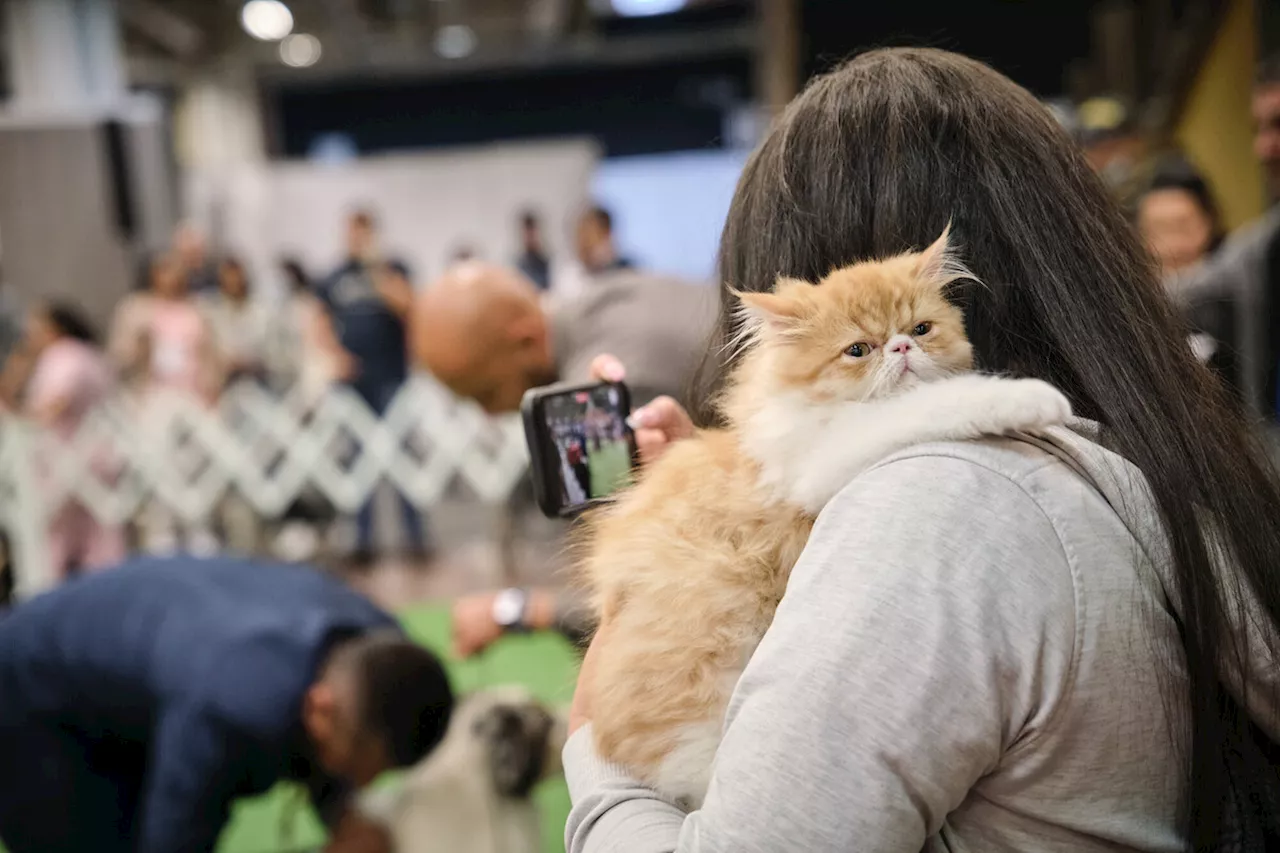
column 580, row 444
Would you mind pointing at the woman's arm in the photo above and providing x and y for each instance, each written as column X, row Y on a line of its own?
column 929, row 620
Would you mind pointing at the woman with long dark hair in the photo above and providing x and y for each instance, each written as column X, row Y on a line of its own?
column 1045, row 644
column 69, row 377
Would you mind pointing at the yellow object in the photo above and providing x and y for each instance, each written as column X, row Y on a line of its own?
column 1101, row 113
column 1215, row 128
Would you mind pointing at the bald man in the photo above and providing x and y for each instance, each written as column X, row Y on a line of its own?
column 483, row 331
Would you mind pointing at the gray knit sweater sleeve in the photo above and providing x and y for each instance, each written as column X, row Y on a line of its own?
column 928, row 627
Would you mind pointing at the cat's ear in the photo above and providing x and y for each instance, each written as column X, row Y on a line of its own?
column 776, row 311
column 940, row 264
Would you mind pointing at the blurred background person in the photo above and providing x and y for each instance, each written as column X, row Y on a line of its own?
column 303, row 351
column 482, row 330
column 238, row 322
column 1235, row 298
column 216, row 679
column 1181, row 225
column 191, row 249
column 1179, row 219
column 240, row 325
column 295, row 276
column 160, row 335
column 533, row 260
column 164, row 345
column 368, row 298
column 597, row 251
column 59, row 375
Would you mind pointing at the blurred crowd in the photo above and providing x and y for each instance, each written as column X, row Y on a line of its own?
column 197, row 324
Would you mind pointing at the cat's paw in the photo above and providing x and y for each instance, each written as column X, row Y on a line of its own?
column 1033, row 405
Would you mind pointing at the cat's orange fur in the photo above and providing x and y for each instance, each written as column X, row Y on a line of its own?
column 688, row 566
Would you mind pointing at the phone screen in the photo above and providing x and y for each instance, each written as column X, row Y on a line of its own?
column 585, row 445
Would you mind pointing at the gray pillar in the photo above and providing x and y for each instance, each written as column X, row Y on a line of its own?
column 64, row 55
column 84, row 165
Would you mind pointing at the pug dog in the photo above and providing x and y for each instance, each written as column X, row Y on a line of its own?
column 472, row 794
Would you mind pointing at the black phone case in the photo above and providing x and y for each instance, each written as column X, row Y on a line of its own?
column 545, row 478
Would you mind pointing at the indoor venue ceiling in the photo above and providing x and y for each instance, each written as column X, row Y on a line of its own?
column 168, row 37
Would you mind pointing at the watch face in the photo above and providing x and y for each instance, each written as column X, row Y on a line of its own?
column 508, row 607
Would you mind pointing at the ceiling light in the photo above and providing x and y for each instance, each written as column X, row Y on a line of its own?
column 300, row 50
column 266, row 20
column 643, row 8
column 455, row 41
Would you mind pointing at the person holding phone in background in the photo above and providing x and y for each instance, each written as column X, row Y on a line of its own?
column 484, row 332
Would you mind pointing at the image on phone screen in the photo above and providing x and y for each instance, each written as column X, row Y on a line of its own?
column 592, row 442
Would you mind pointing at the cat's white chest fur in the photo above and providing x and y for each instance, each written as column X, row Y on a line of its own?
column 808, row 451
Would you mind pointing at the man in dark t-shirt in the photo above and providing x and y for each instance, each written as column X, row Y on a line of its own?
column 140, row 702
column 368, row 298
column 597, row 251
column 533, row 260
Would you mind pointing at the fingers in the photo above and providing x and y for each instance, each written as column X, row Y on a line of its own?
column 664, row 415
column 606, row 368
column 650, row 443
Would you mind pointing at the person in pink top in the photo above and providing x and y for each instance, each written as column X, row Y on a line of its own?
column 69, row 377
column 162, row 338
column 164, row 346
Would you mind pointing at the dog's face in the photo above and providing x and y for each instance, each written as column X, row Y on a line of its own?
column 472, row 793
column 522, row 739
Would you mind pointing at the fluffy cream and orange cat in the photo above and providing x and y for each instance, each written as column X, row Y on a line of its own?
column 688, row 566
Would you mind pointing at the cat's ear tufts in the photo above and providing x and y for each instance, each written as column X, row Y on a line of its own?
column 940, row 264
column 773, row 311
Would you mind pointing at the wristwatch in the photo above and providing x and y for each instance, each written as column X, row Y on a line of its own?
column 509, row 609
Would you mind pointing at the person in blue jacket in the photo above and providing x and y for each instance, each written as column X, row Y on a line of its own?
column 137, row 704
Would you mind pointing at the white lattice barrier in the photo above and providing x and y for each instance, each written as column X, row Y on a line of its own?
column 187, row 457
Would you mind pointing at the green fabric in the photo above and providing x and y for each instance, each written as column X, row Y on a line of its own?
column 281, row 821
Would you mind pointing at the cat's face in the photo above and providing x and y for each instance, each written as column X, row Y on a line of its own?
column 865, row 331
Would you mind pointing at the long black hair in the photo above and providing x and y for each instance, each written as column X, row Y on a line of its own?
column 70, row 322
column 295, row 275
column 874, row 159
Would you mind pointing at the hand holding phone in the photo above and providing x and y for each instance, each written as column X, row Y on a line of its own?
column 656, row 424
column 580, row 444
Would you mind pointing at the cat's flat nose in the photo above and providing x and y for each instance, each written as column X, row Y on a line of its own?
column 900, row 346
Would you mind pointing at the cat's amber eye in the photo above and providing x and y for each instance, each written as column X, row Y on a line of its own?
column 858, row 350
column 922, row 329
